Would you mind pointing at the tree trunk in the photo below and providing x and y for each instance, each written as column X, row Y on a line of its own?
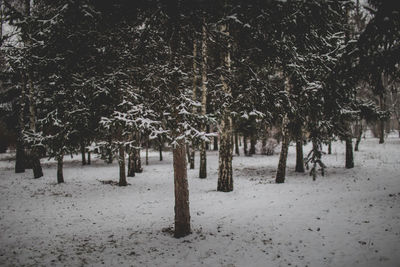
column 381, row 121
column 138, row 161
column 281, row 172
column 131, row 164
column 299, row 153
column 237, row 152
column 245, row 144
column 225, row 175
column 182, row 212
column 60, row 175
column 109, row 151
column 204, row 82
column 88, row 158
column 83, row 151
column 253, row 142
column 349, row 153
column 121, row 163
column 160, row 147
column 20, row 155
column 192, row 156
column 330, row 148
column 147, row 151
column 215, row 147
column 359, row 135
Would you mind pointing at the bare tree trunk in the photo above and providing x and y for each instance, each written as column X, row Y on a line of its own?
column 60, row 175
column 182, row 212
column 138, row 161
column 131, row 164
column 281, row 172
column 160, row 147
column 382, row 121
column 245, row 144
column 215, row 147
column 88, row 158
column 330, row 148
column 359, row 135
column 121, row 163
column 83, row 151
column 349, row 153
column 299, row 152
column 204, row 82
column 147, row 150
column 237, row 152
column 253, row 142
column 20, row 153
column 225, row 175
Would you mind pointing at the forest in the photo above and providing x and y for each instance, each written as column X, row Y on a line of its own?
column 109, row 110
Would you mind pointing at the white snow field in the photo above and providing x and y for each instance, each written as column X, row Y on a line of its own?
column 350, row 217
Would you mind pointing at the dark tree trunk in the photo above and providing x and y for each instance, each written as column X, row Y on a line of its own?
column 349, row 153
column 188, row 152
column 20, row 157
column 60, row 175
column 182, row 212
column 36, row 166
column 215, row 147
column 299, row 154
column 138, row 161
column 359, row 135
column 237, row 152
column 131, row 164
column 109, row 151
column 121, row 163
column 245, row 144
column 83, row 152
column 382, row 121
column 203, row 161
column 330, row 148
column 88, row 158
column 192, row 156
column 225, row 176
column 147, row 151
column 160, row 147
column 207, row 144
column 253, row 141
column 281, row 172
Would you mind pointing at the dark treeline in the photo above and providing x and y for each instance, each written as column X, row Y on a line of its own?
column 115, row 77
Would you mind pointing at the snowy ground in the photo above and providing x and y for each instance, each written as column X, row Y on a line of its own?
column 347, row 218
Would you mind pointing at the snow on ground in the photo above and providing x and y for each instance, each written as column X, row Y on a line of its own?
column 347, row 218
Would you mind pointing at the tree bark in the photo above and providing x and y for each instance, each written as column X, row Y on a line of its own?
column 225, row 175
column 237, row 152
column 131, row 164
column 181, row 189
column 192, row 156
column 147, row 151
column 60, row 175
column 138, row 161
column 121, row 163
column 20, row 153
column 381, row 121
column 299, row 153
column 253, row 142
column 245, row 144
column 88, row 158
column 349, row 153
column 330, row 148
column 160, row 147
column 215, row 147
column 281, row 172
column 359, row 135
column 204, row 82
column 83, row 151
